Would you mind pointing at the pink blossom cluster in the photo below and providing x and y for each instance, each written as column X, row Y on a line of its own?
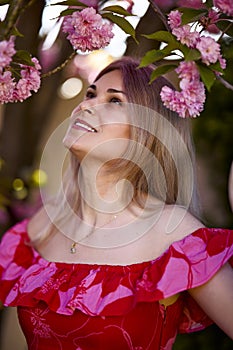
column 30, row 81
column 208, row 22
column 12, row 90
column 189, row 101
column 208, row 47
column 226, row 6
column 7, row 50
column 87, row 30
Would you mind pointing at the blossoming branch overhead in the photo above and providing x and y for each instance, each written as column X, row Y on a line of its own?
column 88, row 26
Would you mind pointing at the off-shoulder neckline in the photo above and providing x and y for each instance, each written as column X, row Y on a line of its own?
column 96, row 265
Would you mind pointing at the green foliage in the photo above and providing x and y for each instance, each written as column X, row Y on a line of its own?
column 157, row 55
column 69, row 12
column 161, row 70
column 207, row 76
column 209, row 3
column 117, row 9
column 76, row 6
column 16, row 32
column 190, row 15
column 152, row 56
column 23, row 57
column 212, row 338
column 226, row 27
column 122, row 23
column 70, row 3
column 162, row 36
column 213, row 132
column 191, row 55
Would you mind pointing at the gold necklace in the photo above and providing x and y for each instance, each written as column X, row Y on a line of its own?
column 73, row 247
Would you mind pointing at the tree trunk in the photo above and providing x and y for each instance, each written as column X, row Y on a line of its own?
column 24, row 123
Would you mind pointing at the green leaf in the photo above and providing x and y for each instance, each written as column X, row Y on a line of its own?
column 184, row 49
column 191, row 15
column 157, row 55
column 151, row 56
column 68, row 12
column 162, row 36
column 207, row 76
column 216, row 67
column 15, row 32
column 192, row 55
column 161, row 70
column 23, row 57
column 70, row 3
column 226, row 27
column 209, row 3
column 122, row 23
column 117, row 9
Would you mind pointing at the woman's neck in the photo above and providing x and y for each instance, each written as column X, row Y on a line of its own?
column 102, row 196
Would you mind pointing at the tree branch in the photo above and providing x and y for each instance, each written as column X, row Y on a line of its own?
column 13, row 13
column 224, row 82
column 59, row 68
column 160, row 14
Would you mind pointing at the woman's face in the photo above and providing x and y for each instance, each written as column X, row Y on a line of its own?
column 99, row 125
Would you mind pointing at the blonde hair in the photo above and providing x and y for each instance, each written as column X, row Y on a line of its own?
column 156, row 130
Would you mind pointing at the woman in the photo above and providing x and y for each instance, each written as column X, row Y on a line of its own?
column 119, row 260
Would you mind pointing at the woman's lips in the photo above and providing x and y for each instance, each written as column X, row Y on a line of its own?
column 81, row 124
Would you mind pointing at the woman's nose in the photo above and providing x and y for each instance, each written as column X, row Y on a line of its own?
column 87, row 106
column 82, row 108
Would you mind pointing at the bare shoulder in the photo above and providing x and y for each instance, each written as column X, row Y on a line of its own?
column 178, row 222
column 173, row 224
column 38, row 224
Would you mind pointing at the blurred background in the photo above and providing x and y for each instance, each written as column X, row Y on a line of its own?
column 28, row 162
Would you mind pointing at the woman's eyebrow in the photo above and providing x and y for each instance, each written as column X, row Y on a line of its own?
column 110, row 90
column 92, row 87
column 116, row 91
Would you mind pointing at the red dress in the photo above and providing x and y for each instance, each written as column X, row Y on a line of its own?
column 88, row 306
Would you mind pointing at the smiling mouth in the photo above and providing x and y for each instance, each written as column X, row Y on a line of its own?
column 84, row 126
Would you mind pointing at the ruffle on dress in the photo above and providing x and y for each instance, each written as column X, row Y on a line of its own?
column 26, row 278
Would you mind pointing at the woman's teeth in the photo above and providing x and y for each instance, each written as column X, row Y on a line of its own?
column 86, row 127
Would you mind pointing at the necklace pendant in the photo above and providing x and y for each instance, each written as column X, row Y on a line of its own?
column 73, row 248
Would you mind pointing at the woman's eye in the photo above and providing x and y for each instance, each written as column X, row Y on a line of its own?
column 116, row 100
column 90, row 94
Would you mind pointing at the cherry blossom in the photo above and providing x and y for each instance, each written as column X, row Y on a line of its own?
column 185, row 36
column 187, row 70
column 223, row 62
column 7, row 86
column 208, row 22
column 30, row 81
column 209, row 49
column 130, row 5
column 12, row 90
column 7, row 50
column 87, row 30
column 225, row 6
column 182, row 33
column 174, row 19
column 189, row 101
column 193, row 93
